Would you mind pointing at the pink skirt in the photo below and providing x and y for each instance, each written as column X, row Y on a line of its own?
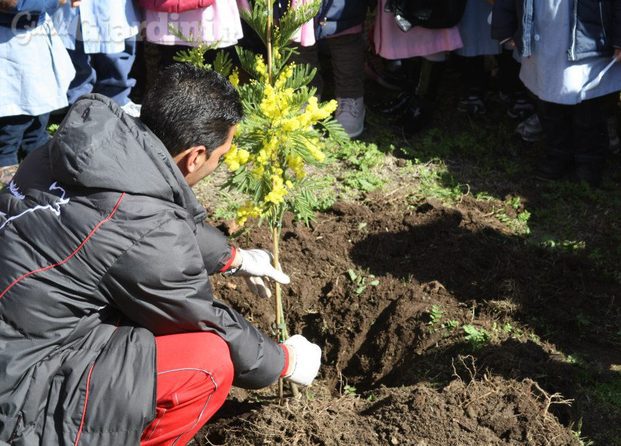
column 218, row 24
column 305, row 36
column 392, row 43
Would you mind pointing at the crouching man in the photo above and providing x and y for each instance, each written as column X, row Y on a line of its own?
column 109, row 331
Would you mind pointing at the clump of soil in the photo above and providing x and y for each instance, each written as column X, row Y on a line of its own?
column 423, row 272
column 483, row 412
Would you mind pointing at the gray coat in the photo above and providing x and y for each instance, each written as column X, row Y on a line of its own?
column 103, row 248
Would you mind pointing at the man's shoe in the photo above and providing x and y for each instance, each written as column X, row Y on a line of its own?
column 350, row 114
column 6, row 175
column 132, row 109
column 530, row 130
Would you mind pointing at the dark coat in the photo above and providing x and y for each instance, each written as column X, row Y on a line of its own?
column 338, row 15
column 103, row 248
column 595, row 28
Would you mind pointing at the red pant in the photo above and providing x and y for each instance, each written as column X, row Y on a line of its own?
column 194, row 376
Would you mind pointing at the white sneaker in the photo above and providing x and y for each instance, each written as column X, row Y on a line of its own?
column 132, row 109
column 350, row 114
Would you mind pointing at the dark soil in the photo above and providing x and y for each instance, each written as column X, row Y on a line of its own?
column 392, row 373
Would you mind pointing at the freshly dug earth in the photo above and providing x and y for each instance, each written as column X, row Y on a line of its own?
column 393, row 335
column 488, row 412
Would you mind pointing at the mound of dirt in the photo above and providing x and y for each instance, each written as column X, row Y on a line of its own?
column 484, row 412
column 386, row 289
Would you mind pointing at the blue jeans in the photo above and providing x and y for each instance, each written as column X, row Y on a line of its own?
column 20, row 135
column 107, row 74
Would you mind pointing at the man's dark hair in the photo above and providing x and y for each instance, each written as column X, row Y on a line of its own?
column 189, row 106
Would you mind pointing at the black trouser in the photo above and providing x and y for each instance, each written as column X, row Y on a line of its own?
column 475, row 77
column 576, row 133
column 509, row 74
column 473, row 74
column 20, row 135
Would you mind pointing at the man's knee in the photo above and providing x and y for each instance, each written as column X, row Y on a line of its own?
column 216, row 357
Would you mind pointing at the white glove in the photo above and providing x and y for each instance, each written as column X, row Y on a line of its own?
column 304, row 360
column 255, row 264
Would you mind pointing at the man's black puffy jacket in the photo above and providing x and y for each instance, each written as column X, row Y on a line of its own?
column 103, row 246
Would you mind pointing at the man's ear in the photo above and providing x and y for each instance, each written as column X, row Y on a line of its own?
column 190, row 160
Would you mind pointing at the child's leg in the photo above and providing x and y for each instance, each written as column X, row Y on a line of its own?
column 589, row 121
column 614, row 142
column 35, row 135
column 19, row 134
column 474, row 79
column 309, row 55
column 420, row 108
column 12, row 130
column 194, row 376
column 348, row 65
column 348, row 68
column 113, row 78
column 85, row 75
column 511, row 87
column 556, row 120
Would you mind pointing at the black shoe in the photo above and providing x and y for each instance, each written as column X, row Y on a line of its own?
column 416, row 117
column 553, row 169
column 519, row 105
column 589, row 173
column 392, row 76
column 395, row 106
column 472, row 105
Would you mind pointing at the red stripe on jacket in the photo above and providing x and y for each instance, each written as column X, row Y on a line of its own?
column 88, row 387
column 70, row 256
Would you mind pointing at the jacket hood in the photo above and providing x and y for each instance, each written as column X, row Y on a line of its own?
column 98, row 146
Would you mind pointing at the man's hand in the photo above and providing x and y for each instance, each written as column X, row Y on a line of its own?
column 618, row 54
column 304, row 360
column 256, row 264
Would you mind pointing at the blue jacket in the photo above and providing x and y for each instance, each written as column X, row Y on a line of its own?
column 35, row 68
column 338, row 15
column 27, row 13
column 103, row 25
column 595, row 28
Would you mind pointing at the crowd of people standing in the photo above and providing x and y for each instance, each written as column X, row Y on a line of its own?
column 549, row 56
